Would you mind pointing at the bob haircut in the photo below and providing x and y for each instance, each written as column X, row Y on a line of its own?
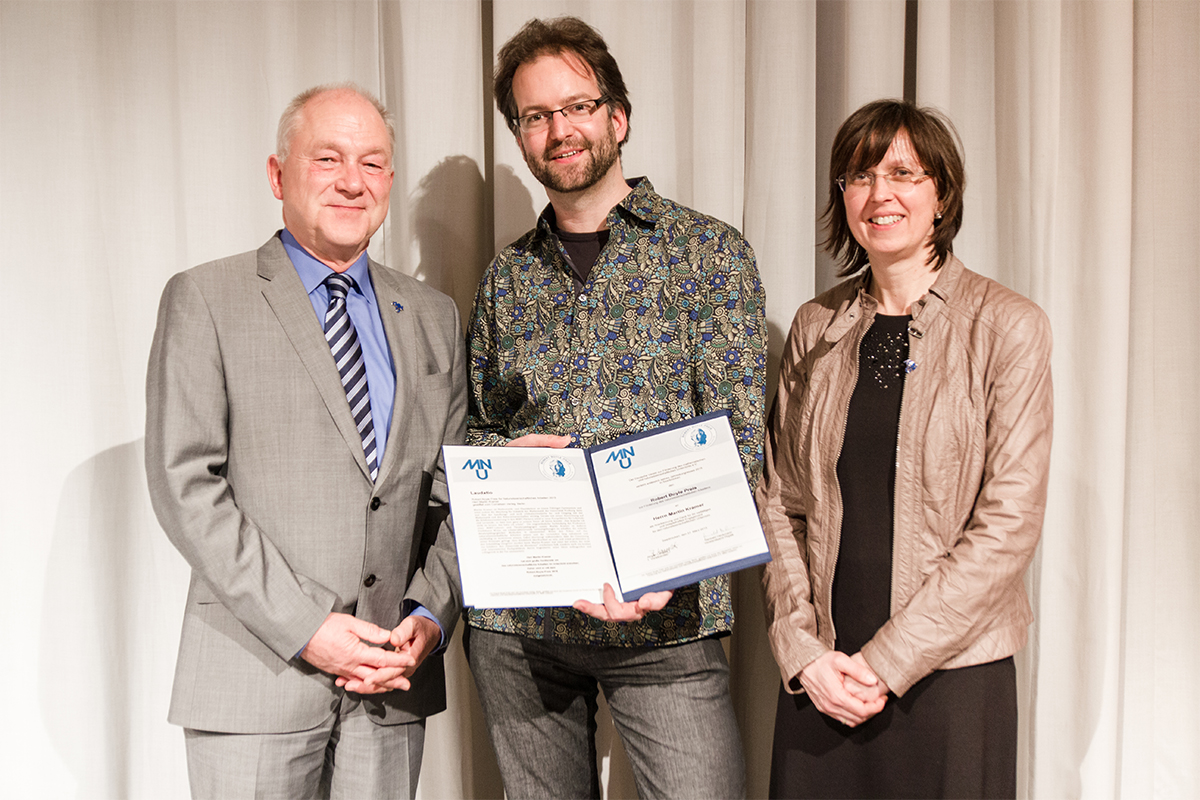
column 554, row 37
column 862, row 142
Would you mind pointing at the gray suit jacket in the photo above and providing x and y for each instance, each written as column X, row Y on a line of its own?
column 257, row 475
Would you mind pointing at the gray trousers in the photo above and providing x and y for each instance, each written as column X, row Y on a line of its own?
column 670, row 705
column 348, row 756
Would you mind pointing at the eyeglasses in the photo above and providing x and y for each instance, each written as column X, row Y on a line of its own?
column 901, row 180
column 576, row 113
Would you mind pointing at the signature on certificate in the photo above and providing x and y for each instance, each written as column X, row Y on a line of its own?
column 660, row 553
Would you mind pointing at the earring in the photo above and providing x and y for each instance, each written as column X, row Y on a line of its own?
column 938, row 215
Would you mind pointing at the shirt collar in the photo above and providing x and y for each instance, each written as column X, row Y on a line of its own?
column 313, row 272
column 642, row 205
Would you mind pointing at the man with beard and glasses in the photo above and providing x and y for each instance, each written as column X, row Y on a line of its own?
column 620, row 312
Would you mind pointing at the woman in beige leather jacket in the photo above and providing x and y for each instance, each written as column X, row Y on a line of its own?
column 904, row 488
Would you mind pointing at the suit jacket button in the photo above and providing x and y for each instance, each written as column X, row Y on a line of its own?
column 375, row 503
column 369, row 582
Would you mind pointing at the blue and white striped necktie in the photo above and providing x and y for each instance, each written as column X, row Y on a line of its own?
column 348, row 356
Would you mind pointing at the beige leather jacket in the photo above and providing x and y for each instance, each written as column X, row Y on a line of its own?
column 972, row 460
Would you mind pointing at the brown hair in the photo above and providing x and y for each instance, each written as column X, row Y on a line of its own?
column 554, row 37
column 862, row 142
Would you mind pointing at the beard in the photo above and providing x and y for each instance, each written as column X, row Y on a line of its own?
column 602, row 154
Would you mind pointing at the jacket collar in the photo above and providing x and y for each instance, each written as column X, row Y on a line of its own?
column 930, row 306
column 860, row 305
column 288, row 298
column 853, row 309
column 285, row 294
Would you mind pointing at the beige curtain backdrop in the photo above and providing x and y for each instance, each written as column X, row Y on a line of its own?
column 134, row 138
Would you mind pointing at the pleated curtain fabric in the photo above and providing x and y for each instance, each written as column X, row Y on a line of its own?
column 142, row 128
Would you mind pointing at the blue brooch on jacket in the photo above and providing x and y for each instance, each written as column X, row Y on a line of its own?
column 398, row 307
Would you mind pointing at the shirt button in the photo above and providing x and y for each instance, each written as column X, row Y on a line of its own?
column 375, row 504
column 369, row 582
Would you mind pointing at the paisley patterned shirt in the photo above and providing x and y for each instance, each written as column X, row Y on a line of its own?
column 669, row 325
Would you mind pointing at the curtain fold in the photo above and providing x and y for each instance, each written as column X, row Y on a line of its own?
column 779, row 219
column 1157, row 743
column 135, row 136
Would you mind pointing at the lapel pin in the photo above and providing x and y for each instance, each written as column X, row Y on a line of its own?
column 398, row 307
column 909, row 365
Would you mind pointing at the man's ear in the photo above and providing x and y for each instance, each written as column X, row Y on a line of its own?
column 275, row 176
column 620, row 122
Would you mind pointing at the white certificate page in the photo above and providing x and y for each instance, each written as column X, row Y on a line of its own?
column 677, row 506
column 527, row 527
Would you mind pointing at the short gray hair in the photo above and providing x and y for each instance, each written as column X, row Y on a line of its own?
column 289, row 121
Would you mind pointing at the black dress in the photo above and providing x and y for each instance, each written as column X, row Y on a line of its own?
column 954, row 733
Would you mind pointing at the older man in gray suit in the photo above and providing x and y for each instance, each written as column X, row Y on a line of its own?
column 297, row 401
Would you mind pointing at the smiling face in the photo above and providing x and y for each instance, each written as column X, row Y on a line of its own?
column 337, row 177
column 567, row 156
column 894, row 223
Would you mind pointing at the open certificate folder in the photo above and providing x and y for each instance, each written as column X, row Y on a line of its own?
column 539, row 526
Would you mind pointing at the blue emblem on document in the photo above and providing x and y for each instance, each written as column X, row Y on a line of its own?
column 480, row 465
column 556, row 469
column 697, row 437
column 623, row 457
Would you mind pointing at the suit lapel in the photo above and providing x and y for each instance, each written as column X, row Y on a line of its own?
column 398, row 326
column 285, row 294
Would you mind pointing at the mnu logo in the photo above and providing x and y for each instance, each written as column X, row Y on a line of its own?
column 624, row 457
column 480, row 465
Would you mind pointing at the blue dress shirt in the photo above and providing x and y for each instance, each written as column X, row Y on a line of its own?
column 364, row 313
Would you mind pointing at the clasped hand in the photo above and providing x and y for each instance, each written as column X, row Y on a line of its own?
column 353, row 650
column 844, row 687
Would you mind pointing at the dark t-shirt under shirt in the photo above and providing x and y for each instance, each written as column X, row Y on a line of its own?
column 582, row 251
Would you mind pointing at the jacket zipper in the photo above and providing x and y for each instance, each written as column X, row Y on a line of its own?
column 837, row 547
column 896, row 463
